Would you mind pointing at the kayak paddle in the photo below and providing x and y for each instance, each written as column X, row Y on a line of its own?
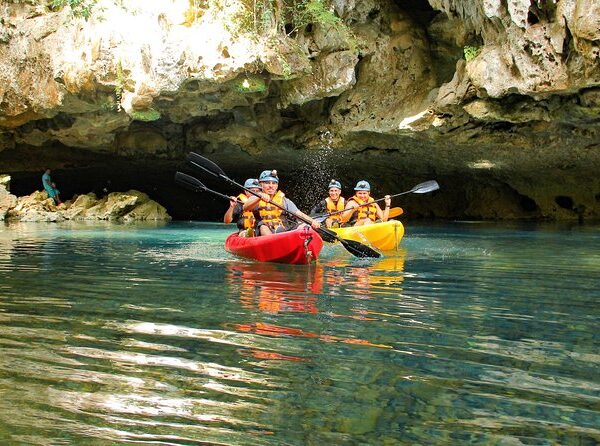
column 394, row 212
column 421, row 188
column 355, row 248
column 195, row 185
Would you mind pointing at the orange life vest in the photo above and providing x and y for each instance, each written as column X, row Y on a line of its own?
column 247, row 217
column 334, row 207
column 363, row 212
column 269, row 214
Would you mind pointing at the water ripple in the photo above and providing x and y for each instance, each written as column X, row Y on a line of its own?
column 112, row 334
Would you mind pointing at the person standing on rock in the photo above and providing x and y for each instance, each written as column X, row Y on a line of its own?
column 333, row 203
column 50, row 187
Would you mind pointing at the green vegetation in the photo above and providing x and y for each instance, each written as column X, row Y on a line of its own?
column 79, row 8
column 471, row 52
column 109, row 105
column 146, row 115
column 251, row 84
column 287, row 69
column 120, row 85
column 270, row 17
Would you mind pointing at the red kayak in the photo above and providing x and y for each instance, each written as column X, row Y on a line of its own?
column 297, row 247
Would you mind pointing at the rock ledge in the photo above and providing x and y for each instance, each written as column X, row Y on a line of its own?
column 116, row 206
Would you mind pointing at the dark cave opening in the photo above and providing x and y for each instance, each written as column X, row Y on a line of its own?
column 527, row 204
column 420, row 10
column 564, row 202
column 304, row 177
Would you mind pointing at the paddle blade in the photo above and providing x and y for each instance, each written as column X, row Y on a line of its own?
column 358, row 249
column 205, row 164
column 189, row 182
column 327, row 235
column 427, row 186
column 395, row 212
column 355, row 248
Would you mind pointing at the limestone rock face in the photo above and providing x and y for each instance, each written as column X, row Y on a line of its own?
column 525, row 47
column 501, row 99
column 116, row 206
column 7, row 201
column 5, row 181
column 148, row 210
column 82, row 81
column 80, row 205
column 394, row 80
column 330, row 76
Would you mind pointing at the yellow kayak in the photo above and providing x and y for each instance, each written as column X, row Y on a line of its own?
column 384, row 236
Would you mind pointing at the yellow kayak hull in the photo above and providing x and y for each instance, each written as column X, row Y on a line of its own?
column 383, row 236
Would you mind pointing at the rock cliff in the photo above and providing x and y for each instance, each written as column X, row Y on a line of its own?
column 498, row 101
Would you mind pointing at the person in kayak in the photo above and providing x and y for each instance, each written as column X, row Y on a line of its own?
column 271, row 219
column 333, row 203
column 245, row 220
column 362, row 210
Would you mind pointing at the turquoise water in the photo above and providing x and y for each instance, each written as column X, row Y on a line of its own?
column 472, row 334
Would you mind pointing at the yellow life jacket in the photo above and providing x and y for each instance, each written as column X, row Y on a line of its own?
column 363, row 212
column 269, row 214
column 334, row 207
column 248, row 216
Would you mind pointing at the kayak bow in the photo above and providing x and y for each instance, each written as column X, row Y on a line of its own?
column 297, row 247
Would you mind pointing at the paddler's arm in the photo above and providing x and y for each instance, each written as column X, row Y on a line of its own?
column 291, row 207
column 349, row 210
column 252, row 202
column 228, row 217
column 384, row 215
column 314, row 223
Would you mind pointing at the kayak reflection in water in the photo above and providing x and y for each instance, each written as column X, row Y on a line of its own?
column 269, row 216
column 274, row 290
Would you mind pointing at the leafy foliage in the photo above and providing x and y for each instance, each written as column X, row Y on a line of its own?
column 146, row 115
column 269, row 17
column 80, row 8
column 471, row 52
column 120, row 85
column 251, row 84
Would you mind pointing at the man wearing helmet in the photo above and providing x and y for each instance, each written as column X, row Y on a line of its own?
column 333, row 203
column 270, row 218
column 361, row 209
column 245, row 220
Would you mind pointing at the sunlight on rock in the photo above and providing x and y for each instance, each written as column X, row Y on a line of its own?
column 481, row 164
column 420, row 121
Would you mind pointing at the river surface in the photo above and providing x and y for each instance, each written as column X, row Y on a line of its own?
column 139, row 334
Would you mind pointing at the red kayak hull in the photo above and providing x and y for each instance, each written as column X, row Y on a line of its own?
column 297, row 247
